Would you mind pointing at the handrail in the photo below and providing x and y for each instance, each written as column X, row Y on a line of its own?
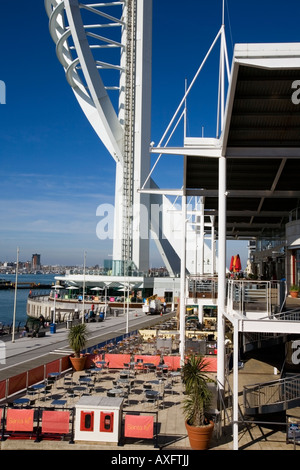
column 289, row 315
column 276, row 394
column 256, row 297
column 199, row 285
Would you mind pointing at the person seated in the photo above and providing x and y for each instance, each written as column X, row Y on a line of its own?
column 35, row 331
column 24, row 332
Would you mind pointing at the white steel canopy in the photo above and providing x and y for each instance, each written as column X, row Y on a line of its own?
column 260, row 140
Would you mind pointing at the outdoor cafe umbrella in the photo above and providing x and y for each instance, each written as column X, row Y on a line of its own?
column 97, row 289
column 71, row 288
column 237, row 264
column 106, row 285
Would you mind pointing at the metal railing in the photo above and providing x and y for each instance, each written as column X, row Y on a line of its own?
column 255, row 296
column 203, row 285
column 276, row 395
column 289, row 315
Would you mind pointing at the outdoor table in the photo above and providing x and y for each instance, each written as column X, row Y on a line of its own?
column 78, row 388
column 31, row 391
column 175, row 375
column 39, row 387
column 116, row 391
column 21, row 401
column 101, row 364
column 163, row 367
column 95, row 371
column 54, row 375
column 160, row 383
column 124, row 374
column 155, row 382
column 125, row 382
column 58, row 402
column 152, row 395
column 85, row 379
column 71, row 392
column 148, row 366
column 133, row 364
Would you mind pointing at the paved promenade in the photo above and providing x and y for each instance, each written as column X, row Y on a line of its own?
column 26, row 353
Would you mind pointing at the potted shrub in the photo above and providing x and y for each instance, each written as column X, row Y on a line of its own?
column 197, row 402
column 77, row 340
column 294, row 290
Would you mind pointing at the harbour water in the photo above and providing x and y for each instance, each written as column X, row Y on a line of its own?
column 7, row 296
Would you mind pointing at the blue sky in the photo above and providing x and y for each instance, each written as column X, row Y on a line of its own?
column 54, row 170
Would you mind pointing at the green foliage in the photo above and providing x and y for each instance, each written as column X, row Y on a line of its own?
column 77, row 338
column 32, row 321
column 294, row 288
column 198, row 398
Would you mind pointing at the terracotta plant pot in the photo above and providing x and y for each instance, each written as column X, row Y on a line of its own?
column 78, row 363
column 199, row 436
column 294, row 294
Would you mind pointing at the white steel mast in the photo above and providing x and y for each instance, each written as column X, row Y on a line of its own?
column 125, row 132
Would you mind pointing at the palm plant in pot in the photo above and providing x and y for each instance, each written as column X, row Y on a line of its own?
column 294, row 290
column 197, row 402
column 77, row 340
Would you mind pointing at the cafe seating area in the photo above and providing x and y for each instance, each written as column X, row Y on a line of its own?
column 146, row 384
column 144, row 372
column 140, row 384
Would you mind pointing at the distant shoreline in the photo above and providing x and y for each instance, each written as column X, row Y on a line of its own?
column 24, row 285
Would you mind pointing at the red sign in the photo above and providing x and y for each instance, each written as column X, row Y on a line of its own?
column 19, row 420
column 139, row 426
column 55, row 422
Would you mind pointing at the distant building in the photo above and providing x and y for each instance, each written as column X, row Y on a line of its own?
column 36, row 261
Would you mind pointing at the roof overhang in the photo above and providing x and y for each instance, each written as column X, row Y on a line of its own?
column 260, row 140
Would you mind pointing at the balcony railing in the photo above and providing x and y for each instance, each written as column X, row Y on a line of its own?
column 257, row 298
column 272, row 396
column 202, row 287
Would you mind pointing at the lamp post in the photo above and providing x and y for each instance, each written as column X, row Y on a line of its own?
column 15, row 301
column 173, row 297
column 106, row 286
column 54, row 303
column 126, row 290
column 83, row 293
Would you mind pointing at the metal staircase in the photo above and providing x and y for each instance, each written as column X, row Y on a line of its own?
column 272, row 397
column 128, row 155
